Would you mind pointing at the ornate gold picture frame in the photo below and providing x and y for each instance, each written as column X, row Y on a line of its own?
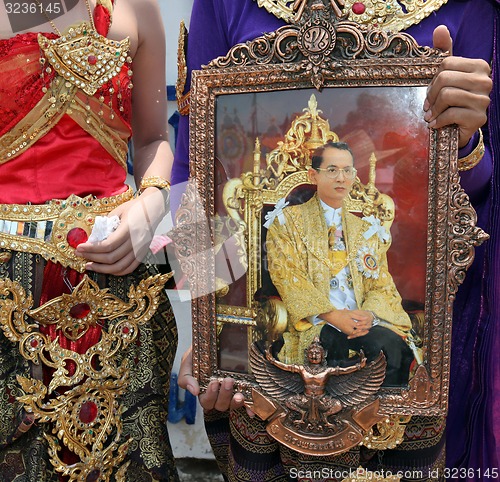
column 257, row 115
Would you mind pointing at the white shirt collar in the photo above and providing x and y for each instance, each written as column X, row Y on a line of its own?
column 332, row 215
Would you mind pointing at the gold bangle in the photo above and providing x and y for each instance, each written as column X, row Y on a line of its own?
column 472, row 160
column 154, row 181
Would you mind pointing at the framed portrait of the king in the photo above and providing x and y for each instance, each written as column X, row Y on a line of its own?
column 271, row 263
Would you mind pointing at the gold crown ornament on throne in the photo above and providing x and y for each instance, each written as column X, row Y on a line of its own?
column 286, row 168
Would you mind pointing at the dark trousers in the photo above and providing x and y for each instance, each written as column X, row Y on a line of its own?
column 397, row 353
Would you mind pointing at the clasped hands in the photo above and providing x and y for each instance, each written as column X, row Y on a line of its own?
column 353, row 323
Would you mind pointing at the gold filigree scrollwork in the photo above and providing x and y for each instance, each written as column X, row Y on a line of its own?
column 182, row 100
column 82, row 418
column 84, row 58
column 280, row 8
column 306, row 132
column 86, row 416
column 386, row 14
column 368, row 200
column 316, row 47
column 465, row 234
column 190, row 216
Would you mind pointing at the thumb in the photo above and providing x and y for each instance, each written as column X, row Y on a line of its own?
column 441, row 39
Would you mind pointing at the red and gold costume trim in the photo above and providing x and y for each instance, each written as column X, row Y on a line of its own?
column 54, row 230
column 80, row 339
column 82, row 75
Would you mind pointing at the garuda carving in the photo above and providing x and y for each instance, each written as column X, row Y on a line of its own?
column 315, row 408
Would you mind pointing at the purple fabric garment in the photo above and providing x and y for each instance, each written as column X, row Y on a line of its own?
column 217, row 25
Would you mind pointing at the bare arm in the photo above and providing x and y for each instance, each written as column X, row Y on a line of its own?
column 122, row 252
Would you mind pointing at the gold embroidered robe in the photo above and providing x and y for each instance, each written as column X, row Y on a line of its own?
column 297, row 254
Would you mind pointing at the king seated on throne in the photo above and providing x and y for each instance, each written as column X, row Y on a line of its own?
column 330, row 269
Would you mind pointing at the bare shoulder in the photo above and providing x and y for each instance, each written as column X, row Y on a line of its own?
column 145, row 7
column 148, row 14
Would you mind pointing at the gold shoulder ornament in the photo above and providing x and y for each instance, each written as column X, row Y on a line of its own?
column 389, row 15
column 182, row 100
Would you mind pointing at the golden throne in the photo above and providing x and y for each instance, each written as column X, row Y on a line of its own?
column 283, row 175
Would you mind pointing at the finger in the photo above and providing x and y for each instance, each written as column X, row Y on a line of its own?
column 189, row 383
column 363, row 325
column 452, row 84
column 209, row 398
column 453, row 115
column 120, row 268
column 471, row 75
column 441, row 39
column 238, row 401
column 185, row 379
column 106, row 256
column 357, row 334
column 111, row 243
column 456, row 82
column 225, row 398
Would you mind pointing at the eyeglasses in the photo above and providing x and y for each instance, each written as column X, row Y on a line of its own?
column 333, row 172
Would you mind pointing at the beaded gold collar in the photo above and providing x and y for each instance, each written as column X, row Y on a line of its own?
column 393, row 15
column 85, row 58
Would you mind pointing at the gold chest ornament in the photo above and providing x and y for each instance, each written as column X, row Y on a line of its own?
column 389, row 15
column 84, row 58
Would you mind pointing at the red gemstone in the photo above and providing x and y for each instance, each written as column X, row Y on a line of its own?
column 358, row 8
column 92, row 59
column 88, row 412
column 126, row 330
column 79, row 311
column 93, row 476
column 76, row 236
column 34, row 343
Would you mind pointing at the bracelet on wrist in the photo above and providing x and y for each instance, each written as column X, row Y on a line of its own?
column 154, row 181
column 468, row 162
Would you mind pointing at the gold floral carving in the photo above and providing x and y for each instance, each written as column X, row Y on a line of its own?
column 387, row 434
column 81, row 404
column 390, row 15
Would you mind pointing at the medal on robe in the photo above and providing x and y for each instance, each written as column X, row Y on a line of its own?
column 367, row 262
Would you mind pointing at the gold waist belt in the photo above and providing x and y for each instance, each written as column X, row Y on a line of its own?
column 54, row 230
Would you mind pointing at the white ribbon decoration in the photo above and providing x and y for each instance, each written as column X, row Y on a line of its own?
column 277, row 212
column 376, row 228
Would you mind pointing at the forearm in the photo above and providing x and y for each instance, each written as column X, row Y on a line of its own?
column 153, row 159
